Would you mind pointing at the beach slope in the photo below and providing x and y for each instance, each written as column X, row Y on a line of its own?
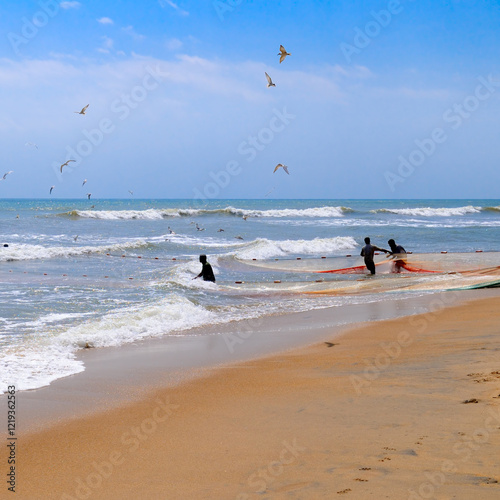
column 405, row 408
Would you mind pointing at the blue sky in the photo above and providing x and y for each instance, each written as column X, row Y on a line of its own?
column 379, row 99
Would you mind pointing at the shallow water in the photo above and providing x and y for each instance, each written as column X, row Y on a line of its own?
column 74, row 275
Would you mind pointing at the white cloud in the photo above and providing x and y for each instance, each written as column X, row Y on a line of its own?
column 107, row 45
column 174, row 44
column 129, row 30
column 180, row 11
column 105, row 20
column 70, row 5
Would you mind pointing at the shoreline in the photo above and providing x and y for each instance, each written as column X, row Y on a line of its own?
column 380, row 413
column 115, row 376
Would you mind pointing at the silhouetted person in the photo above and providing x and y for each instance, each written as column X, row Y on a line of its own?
column 206, row 271
column 398, row 253
column 367, row 252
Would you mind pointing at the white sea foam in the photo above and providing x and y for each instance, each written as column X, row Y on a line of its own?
column 36, row 363
column 25, row 251
column 33, row 366
column 156, row 213
column 431, row 212
column 294, row 212
column 263, row 248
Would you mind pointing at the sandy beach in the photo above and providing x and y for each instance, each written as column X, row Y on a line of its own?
column 404, row 408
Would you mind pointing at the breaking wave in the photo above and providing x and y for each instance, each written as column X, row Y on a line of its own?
column 162, row 213
column 431, row 212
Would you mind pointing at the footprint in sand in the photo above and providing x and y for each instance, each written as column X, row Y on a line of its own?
column 473, row 400
column 341, row 492
column 365, row 468
column 361, row 480
column 389, row 449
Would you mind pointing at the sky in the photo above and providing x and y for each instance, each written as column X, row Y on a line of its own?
column 389, row 99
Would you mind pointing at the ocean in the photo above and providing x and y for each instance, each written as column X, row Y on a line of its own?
column 100, row 273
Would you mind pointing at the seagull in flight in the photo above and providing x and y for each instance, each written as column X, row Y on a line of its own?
column 75, row 238
column 285, row 168
column 6, row 174
column 283, row 53
column 64, row 164
column 89, row 195
column 269, row 81
column 82, row 112
column 131, row 192
column 31, row 145
column 51, row 188
column 84, row 182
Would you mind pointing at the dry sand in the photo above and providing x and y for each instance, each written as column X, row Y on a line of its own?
column 379, row 414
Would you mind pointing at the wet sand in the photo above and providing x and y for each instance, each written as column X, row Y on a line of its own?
column 376, row 412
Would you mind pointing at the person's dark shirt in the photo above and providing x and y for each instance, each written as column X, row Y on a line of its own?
column 398, row 249
column 368, row 251
column 207, row 272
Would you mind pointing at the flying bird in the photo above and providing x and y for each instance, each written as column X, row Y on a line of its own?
column 89, row 195
column 75, row 238
column 269, row 81
column 269, row 192
column 84, row 182
column 64, row 164
column 131, row 192
column 285, row 168
column 51, row 188
column 31, row 145
column 82, row 112
column 6, row 174
column 283, row 53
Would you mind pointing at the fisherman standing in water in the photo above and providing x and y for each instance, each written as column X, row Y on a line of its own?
column 398, row 253
column 206, row 270
column 367, row 252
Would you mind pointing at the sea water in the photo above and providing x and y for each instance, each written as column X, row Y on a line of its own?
column 111, row 272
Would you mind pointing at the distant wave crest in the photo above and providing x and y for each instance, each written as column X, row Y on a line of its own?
column 491, row 209
column 431, row 212
column 162, row 213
